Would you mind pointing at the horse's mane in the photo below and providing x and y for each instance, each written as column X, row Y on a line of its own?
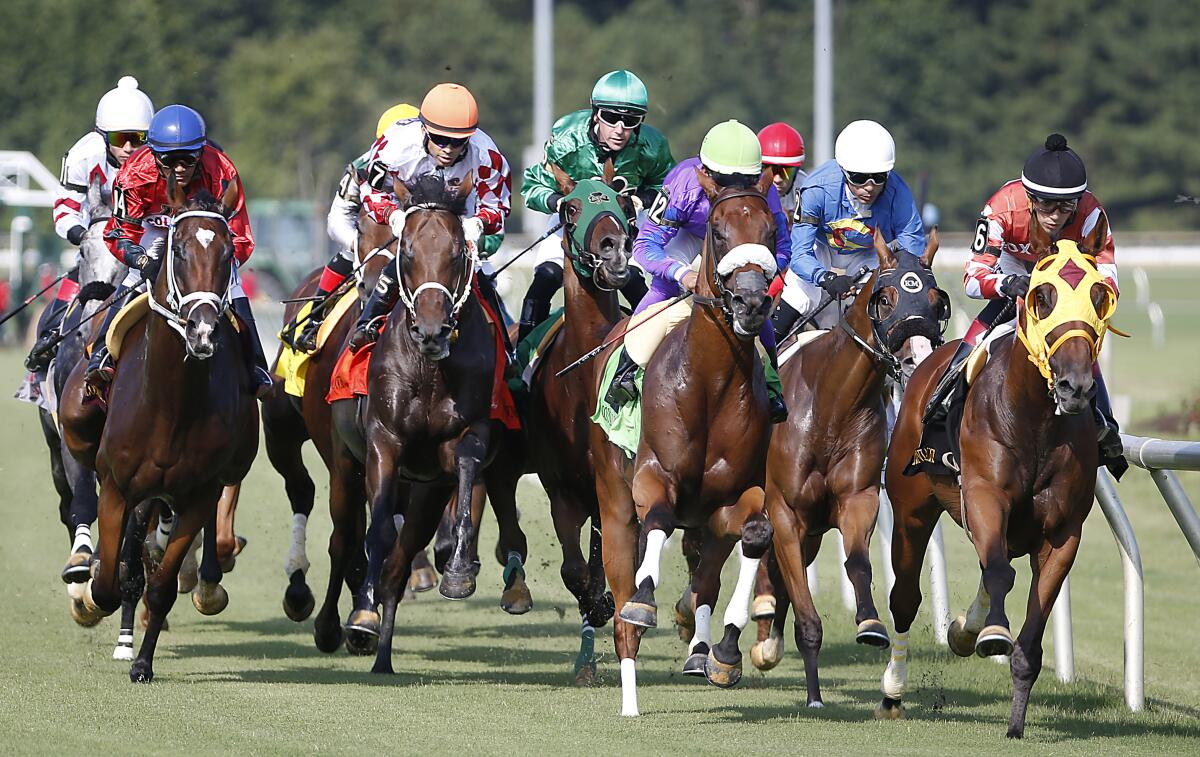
column 204, row 201
column 430, row 191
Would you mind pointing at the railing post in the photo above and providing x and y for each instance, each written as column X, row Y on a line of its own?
column 1064, row 649
column 1131, row 562
column 938, row 587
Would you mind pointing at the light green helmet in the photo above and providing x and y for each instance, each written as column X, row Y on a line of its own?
column 621, row 91
column 731, row 147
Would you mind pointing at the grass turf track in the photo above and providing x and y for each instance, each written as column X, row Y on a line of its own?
column 471, row 678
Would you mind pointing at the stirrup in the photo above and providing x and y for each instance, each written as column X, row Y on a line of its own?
column 306, row 340
column 623, row 388
column 42, row 353
column 779, row 411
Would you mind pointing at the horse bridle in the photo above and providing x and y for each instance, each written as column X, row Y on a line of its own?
column 724, row 297
column 470, row 256
column 584, row 261
column 173, row 310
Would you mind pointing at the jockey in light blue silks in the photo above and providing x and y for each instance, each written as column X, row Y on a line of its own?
column 842, row 204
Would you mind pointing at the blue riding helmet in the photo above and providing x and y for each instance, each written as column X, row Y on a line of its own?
column 176, row 127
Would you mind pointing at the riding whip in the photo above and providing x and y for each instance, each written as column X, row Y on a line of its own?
column 603, row 345
column 811, row 316
column 34, row 296
column 536, row 242
column 320, row 300
column 108, row 303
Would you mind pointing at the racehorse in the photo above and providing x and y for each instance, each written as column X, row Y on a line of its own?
column 596, row 243
column 1028, row 466
column 824, row 462
column 702, row 454
column 182, row 423
column 425, row 428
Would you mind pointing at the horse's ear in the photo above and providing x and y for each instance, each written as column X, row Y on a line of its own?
column 566, row 185
column 1094, row 242
column 466, row 187
column 1039, row 241
column 764, row 183
column 931, row 247
column 610, row 172
column 707, row 184
column 231, row 198
column 883, row 252
column 400, row 189
column 175, row 198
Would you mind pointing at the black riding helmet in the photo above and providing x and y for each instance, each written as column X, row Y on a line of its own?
column 1056, row 172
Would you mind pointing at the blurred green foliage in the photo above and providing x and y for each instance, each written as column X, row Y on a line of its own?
column 969, row 88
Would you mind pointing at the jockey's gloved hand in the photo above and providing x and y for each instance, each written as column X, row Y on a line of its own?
column 837, row 285
column 472, row 229
column 137, row 257
column 396, row 222
column 1015, row 285
column 75, row 235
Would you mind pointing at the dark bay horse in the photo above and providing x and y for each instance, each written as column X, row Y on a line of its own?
column 702, row 456
column 596, row 244
column 1028, row 466
column 182, row 423
column 824, row 463
column 425, row 428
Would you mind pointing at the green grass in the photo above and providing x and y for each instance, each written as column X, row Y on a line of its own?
column 472, row 679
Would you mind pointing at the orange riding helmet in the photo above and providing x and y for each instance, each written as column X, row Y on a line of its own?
column 450, row 110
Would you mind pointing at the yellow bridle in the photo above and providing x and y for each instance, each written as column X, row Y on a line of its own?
column 1071, row 273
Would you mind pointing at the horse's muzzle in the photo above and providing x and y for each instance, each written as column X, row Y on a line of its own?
column 433, row 342
column 200, row 334
column 1071, row 393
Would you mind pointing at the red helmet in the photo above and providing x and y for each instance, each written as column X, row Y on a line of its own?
column 781, row 145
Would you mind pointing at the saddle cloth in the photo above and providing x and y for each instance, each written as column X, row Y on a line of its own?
column 292, row 365
column 623, row 426
column 533, row 348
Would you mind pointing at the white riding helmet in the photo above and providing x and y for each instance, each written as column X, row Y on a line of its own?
column 125, row 108
column 865, row 147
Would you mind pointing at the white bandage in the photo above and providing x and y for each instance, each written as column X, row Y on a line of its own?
column 747, row 254
column 396, row 222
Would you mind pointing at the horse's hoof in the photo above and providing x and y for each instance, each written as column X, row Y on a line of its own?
column 457, row 585
column 767, row 653
column 298, row 601
column 994, row 640
column 362, row 632
column 696, row 662
column 422, row 580
column 873, row 633
column 186, row 582
column 123, row 652
column 78, row 568
column 82, row 615
column 816, row 704
column 602, row 610
column 685, row 615
column 141, row 672
column 516, row 599
column 641, row 614
column 723, row 674
column 763, row 607
column 585, row 675
column 959, row 639
column 327, row 639
column 889, row 709
column 210, row 598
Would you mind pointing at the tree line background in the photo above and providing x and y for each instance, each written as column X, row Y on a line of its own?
column 292, row 88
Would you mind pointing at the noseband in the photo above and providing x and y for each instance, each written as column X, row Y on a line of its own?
column 179, row 306
column 470, row 255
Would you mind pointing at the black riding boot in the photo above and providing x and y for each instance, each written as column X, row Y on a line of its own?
column 779, row 411
column 1112, row 451
column 784, row 319
column 547, row 280
column 635, row 289
column 48, row 329
column 487, row 287
column 383, row 298
column 339, row 266
column 256, row 360
column 939, row 402
column 623, row 388
column 99, row 369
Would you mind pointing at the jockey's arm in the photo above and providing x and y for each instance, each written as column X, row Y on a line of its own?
column 982, row 276
column 908, row 230
column 124, row 229
column 342, row 221
column 806, row 225
column 650, row 247
column 539, row 188
column 662, row 164
column 69, row 199
column 783, row 235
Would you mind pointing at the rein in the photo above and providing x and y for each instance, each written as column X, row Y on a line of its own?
column 173, row 310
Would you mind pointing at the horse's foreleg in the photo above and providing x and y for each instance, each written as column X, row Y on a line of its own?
column 101, row 595
column 161, row 591
column 685, row 607
column 284, row 434
column 658, row 521
column 768, row 651
column 227, row 546
column 133, row 579
column 706, row 581
column 458, row 580
column 789, row 538
column 568, row 521
column 209, row 597
column 856, row 516
column 346, row 540
column 986, row 510
column 620, row 539
column 80, row 515
column 1050, row 567
column 512, row 548
column 724, row 664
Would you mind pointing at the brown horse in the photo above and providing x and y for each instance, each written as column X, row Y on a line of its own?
column 824, row 462
column 290, row 421
column 1028, row 466
column 425, row 427
column 597, row 248
column 702, row 455
column 182, row 423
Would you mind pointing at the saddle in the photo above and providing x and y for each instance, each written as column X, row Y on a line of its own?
column 292, row 364
column 532, row 348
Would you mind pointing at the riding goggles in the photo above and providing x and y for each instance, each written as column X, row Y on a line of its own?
column 119, row 138
column 1049, row 207
column 858, row 178
column 183, row 158
column 787, row 172
column 449, row 143
column 614, row 118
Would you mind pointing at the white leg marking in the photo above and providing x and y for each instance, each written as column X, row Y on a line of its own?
column 297, row 558
column 895, row 678
column 629, row 704
column 737, row 611
column 654, row 547
column 703, row 628
column 977, row 612
column 83, row 537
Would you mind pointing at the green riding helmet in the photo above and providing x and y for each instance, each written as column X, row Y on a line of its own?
column 621, row 91
column 731, row 147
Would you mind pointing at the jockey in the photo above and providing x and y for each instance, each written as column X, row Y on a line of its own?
column 1052, row 191
column 122, row 118
column 136, row 233
column 580, row 143
column 783, row 153
column 342, row 226
column 841, row 205
column 444, row 140
column 732, row 156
